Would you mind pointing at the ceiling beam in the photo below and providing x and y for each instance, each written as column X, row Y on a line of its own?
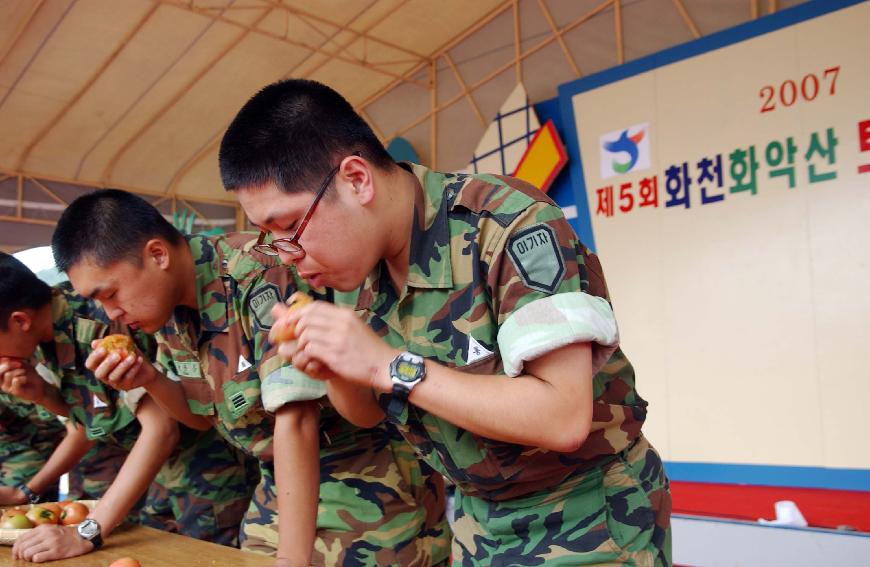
column 518, row 46
column 433, row 126
column 25, row 220
column 374, row 127
column 48, row 191
column 465, row 90
column 84, row 89
column 110, row 167
column 302, row 14
column 687, row 18
column 89, row 184
column 22, row 26
column 214, row 141
column 19, row 192
column 153, row 83
column 440, row 51
column 276, row 36
column 620, row 40
column 555, row 30
column 537, row 47
column 42, row 44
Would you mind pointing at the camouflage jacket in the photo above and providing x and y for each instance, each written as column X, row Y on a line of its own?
column 28, row 436
column 372, row 496
column 221, row 353
column 482, row 247
column 100, row 409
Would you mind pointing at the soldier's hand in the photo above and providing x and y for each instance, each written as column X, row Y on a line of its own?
column 333, row 343
column 126, row 373
column 19, row 379
column 11, row 496
column 49, row 542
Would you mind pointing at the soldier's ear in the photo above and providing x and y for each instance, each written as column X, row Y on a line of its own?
column 357, row 173
column 157, row 252
column 20, row 321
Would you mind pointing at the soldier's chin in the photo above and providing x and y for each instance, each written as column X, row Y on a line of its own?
column 148, row 328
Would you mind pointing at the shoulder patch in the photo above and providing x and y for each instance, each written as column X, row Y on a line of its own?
column 261, row 302
column 535, row 254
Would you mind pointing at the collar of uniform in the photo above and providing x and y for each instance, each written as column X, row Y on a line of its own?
column 429, row 264
column 211, row 292
column 64, row 334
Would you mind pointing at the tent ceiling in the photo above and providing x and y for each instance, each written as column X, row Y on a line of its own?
column 136, row 94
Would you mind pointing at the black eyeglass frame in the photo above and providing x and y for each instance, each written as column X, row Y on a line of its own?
column 291, row 245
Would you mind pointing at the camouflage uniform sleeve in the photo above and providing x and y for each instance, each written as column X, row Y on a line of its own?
column 53, row 380
column 163, row 358
column 280, row 382
column 538, row 284
column 132, row 398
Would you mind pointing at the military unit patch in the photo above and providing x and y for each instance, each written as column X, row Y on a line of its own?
column 535, row 254
column 240, row 396
column 476, row 351
column 261, row 303
column 188, row 368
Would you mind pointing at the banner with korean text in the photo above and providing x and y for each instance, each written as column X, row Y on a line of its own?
column 728, row 189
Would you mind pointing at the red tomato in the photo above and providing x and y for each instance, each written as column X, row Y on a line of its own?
column 54, row 507
column 74, row 513
column 39, row 515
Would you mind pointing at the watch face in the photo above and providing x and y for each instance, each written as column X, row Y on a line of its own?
column 407, row 371
column 89, row 528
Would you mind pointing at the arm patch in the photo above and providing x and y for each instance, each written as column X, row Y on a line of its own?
column 535, row 254
column 261, row 302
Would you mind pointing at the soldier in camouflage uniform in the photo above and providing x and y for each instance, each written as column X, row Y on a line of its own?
column 511, row 384
column 31, row 459
column 28, row 437
column 377, row 504
column 200, row 490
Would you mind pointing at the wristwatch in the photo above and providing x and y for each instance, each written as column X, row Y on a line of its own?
column 32, row 497
column 90, row 530
column 406, row 371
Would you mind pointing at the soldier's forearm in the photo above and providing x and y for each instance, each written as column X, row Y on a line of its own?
column 169, row 395
column 355, row 403
column 155, row 443
column 67, row 455
column 550, row 406
column 297, row 479
column 53, row 402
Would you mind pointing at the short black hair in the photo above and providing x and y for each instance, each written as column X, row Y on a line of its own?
column 107, row 226
column 293, row 133
column 19, row 288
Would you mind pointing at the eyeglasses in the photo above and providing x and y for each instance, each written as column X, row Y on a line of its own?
column 291, row 245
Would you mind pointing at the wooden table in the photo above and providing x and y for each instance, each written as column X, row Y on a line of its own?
column 153, row 548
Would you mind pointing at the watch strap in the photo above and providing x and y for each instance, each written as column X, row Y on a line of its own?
column 32, row 497
column 96, row 539
column 398, row 401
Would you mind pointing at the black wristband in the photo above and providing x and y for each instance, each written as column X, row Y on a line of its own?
column 398, row 401
column 32, row 497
